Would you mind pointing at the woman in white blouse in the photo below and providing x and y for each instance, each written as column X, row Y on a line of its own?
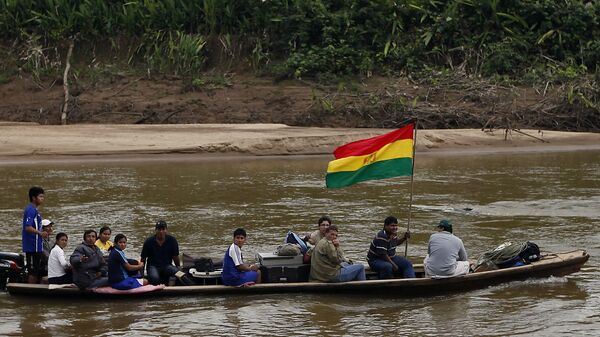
column 59, row 269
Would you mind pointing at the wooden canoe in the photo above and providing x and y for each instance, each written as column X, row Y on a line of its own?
column 558, row 264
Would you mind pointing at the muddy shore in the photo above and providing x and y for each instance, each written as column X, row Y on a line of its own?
column 21, row 142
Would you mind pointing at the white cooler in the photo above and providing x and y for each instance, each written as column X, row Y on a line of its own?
column 270, row 260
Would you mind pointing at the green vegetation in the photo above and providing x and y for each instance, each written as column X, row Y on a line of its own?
column 315, row 37
column 506, row 41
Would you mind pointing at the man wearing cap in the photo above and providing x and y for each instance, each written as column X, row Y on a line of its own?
column 160, row 250
column 382, row 256
column 32, row 235
column 446, row 254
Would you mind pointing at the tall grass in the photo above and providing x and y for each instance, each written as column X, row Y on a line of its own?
column 311, row 37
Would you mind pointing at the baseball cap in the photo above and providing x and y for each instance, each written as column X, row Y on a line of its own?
column 445, row 224
column 47, row 222
column 160, row 224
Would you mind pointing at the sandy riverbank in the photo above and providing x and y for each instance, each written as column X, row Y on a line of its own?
column 30, row 142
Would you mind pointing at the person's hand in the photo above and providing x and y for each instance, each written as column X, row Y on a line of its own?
column 83, row 258
column 141, row 264
column 394, row 267
column 44, row 234
column 407, row 235
column 336, row 242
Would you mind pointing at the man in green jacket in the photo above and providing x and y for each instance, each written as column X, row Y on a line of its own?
column 329, row 264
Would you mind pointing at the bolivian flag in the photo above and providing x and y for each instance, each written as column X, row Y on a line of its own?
column 380, row 157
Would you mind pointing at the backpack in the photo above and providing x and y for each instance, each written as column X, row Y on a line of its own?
column 204, row 264
column 531, row 253
column 295, row 239
column 510, row 254
column 288, row 249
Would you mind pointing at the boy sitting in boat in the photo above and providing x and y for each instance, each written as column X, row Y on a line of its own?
column 118, row 267
column 382, row 252
column 235, row 271
column 446, row 254
column 329, row 264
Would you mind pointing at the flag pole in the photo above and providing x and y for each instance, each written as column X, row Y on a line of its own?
column 411, row 188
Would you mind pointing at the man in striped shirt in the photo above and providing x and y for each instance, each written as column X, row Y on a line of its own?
column 382, row 252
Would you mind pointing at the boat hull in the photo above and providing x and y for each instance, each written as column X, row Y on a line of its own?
column 559, row 264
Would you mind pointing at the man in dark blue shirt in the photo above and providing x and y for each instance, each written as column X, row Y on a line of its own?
column 382, row 256
column 33, row 235
column 160, row 250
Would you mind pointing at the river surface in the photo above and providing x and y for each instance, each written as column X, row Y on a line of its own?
column 552, row 199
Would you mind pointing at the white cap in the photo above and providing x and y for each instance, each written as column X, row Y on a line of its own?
column 47, row 222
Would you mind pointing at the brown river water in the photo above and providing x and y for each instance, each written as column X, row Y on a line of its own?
column 552, row 199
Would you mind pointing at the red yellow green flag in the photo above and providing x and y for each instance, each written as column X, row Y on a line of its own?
column 386, row 156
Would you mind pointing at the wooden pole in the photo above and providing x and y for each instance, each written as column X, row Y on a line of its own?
column 411, row 188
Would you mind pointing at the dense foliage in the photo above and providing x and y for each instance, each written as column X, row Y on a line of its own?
column 312, row 37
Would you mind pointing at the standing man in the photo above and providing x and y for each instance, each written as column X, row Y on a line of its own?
column 32, row 235
column 382, row 252
column 446, row 254
column 161, row 250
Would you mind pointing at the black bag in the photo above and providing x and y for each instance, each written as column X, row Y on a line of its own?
column 531, row 253
column 204, row 264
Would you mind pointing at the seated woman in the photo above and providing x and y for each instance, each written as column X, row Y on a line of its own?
column 89, row 267
column 59, row 269
column 103, row 241
column 235, row 271
column 316, row 236
column 119, row 266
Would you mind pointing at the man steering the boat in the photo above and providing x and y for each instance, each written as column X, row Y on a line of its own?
column 446, row 254
column 161, row 250
column 382, row 256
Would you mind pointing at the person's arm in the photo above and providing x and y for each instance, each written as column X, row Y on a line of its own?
column 331, row 251
column 462, row 253
column 132, row 267
column 176, row 254
column 62, row 260
column 247, row 267
column 380, row 248
column 239, row 265
column 145, row 250
column 78, row 257
column 29, row 229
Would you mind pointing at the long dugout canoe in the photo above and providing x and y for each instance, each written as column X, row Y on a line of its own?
column 554, row 264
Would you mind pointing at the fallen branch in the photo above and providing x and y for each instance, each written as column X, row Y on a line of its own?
column 528, row 135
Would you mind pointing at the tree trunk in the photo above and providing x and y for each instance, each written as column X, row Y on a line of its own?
column 65, row 110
